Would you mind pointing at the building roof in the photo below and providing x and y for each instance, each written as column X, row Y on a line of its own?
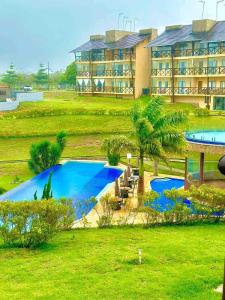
column 3, row 86
column 128, row 41
column 185, row 34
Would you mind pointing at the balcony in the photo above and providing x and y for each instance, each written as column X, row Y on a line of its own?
column 107, row 73
column 105, row 90
column 188, row 52
column 105, row 57
column 187, row 91
column 189, row 71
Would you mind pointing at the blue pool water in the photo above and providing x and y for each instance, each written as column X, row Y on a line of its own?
column 74, row 180
column 159, row 185
column 207, row 137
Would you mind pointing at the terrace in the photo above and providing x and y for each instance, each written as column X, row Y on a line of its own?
column 105, row 89
column 192, row 71
column 220, row 50
column 187, row 91
column 107, row 73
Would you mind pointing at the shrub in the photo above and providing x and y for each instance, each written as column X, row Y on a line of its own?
column 2, row 190
column 45, row 154
column 114, row 146
column 105, row 210
column 28, row 224
column 202, row 112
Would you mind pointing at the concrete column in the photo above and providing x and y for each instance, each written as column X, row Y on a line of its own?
column 202, row 162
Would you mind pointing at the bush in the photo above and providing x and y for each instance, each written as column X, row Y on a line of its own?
column 45, row 154
column 2, row 190
column 202, row 112
column 28, row 224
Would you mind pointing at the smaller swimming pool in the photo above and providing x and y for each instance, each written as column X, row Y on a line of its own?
column 211, row 137
column 159, row 185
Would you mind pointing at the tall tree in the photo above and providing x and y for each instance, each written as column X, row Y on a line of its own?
column 41, row 78
column 156, row 132
column 10, row 77
column 70, row 74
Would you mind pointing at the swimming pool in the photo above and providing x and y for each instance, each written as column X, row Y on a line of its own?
column 207, row 137
column 159, row 185
column 74, row 180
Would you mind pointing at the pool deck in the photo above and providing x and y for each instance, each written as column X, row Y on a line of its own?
column 126, row 214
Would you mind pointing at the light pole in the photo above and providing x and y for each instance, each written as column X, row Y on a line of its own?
column 203, row 7
column 124, row 22
column 217, row 6
column 119, row 16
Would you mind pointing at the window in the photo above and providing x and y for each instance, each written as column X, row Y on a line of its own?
column 98, row 55
column 182, row 67
column 120, row 53
column 160, row 66
column 212, row 66
column 100, row 70
column 166, row 84
column 181, row 86
column 212, row 84
column 167, row 66
column 213, row 48
column 222, row 84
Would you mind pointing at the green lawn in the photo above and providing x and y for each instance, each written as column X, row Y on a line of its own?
column 184, row 263
column 87, row 120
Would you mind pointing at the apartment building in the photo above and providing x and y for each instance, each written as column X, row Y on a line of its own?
column 188, row 63
column 116, row 63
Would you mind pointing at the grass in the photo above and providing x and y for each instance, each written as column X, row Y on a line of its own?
column 80, row 118
column 183, row 262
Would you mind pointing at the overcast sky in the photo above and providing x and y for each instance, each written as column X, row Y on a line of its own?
column 38, row 31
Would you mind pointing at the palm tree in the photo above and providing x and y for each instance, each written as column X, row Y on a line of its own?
column 114, row 146
column 156, row 133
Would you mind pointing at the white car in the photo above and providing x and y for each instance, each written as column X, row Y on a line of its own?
column 27, row 88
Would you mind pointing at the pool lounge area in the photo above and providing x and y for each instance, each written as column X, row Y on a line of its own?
column 76, row 180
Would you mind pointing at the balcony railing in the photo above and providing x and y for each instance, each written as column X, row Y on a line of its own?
column 103, row 57
column 189, row 71
column 187, row 91
column 106, row 90
column 107, row 73
column 188, row 52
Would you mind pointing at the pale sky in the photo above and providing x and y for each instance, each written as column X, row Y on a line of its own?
column 38, row 31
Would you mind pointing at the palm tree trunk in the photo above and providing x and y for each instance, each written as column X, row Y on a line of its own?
column 141, row 181
column 156, row 169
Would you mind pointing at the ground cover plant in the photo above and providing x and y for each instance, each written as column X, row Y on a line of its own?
column 180, row 262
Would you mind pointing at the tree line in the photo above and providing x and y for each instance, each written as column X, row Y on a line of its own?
column 42, row 79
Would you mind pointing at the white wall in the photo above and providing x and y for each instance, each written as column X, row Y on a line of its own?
column 28, row 97
column 4, row 106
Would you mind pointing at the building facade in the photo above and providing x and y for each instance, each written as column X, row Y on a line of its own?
column 116, row 63
column 4, row 92
column 188, row 64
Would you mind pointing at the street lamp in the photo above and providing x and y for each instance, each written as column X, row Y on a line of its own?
column 217, row 6
column 119, row 16
column 203, row 7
